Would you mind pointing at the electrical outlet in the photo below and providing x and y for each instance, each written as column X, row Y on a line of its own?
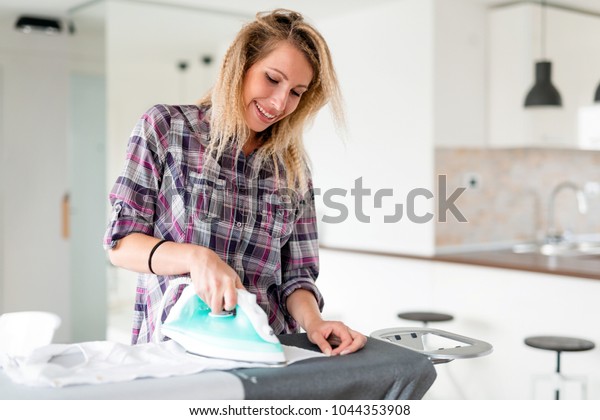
column 471, row 181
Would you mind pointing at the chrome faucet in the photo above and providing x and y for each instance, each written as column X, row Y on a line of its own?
column 553, row 235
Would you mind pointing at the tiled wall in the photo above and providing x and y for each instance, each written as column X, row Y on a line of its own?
column 511, row 202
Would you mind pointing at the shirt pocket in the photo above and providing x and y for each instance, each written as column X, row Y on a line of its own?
column 277, row 215
column 207, row 197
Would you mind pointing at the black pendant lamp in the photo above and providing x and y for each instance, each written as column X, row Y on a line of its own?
column 26, row 24
column 543, row 92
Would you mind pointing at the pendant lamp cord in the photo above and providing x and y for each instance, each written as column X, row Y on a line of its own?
column 543, row 24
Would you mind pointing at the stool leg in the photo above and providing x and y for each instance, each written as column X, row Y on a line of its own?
column 557, row 396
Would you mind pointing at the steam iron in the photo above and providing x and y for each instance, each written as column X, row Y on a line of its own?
column 243, row 334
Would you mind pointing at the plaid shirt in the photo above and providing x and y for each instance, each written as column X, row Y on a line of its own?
column 171, row 189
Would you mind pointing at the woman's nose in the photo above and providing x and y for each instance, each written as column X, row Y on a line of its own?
column 279, row 100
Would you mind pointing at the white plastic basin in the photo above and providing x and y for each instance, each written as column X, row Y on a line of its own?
column 21, row 332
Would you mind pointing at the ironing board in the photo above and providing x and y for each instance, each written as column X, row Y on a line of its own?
column 456, row 346
column 379, row 371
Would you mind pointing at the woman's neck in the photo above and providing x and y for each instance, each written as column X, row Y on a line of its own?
column 251, row 145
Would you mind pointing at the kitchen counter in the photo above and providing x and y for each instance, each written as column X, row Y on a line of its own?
column 583, row 266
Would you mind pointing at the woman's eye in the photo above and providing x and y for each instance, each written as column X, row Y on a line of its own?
column 270, row 79
column 296, row 93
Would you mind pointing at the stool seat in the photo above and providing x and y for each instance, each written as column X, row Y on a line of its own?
column 558, row 343
column 425, row 316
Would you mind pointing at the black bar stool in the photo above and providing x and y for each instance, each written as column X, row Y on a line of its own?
column 425, row 317
column 560, row 344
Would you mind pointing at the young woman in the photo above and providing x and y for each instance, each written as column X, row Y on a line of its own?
column 221, row 190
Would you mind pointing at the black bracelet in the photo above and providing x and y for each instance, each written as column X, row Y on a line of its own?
column 159, row 243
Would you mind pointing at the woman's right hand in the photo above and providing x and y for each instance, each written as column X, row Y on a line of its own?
column 214, row 281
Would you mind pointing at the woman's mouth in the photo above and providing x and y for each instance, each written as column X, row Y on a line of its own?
column 263, row 113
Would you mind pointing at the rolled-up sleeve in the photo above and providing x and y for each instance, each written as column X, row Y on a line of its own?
column 133, row 196
column 300, row 255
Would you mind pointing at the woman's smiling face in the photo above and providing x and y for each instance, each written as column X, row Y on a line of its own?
column 274, row 85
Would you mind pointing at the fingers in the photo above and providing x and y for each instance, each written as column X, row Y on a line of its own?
column 230, row 296
column 238, row 284
column 220, row 294
column 216, row 284
column 216, row 303
column 348, row 340
column 334, row 338
column 320, row 340
column 345, row 339
column 358, row 342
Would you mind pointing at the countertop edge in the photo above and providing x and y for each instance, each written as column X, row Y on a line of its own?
column 468, row 258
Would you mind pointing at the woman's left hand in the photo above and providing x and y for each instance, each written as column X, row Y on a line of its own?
column 334, row 337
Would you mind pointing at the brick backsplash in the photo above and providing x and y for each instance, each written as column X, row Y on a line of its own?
column 511, row 202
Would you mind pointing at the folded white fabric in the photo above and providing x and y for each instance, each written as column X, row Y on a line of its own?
column 96, row 362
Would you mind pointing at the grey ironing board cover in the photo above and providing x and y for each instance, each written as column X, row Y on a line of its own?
column 377, row 372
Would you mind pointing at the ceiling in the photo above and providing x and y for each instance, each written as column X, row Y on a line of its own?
column 312, row 8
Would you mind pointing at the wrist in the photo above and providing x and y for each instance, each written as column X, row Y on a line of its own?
column 196, row 255
column 302, row 306
column 310, row 321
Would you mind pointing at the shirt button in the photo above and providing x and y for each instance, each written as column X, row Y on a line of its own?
column 239, row 224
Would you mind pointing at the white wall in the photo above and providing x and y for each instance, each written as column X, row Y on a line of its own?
column 87, row 166
column 384, row 59
column 460, row 73
column 414, row 80
column 35, row 152
column 34, row 126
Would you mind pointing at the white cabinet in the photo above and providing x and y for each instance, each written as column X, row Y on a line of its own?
column 589, row 127
column 499, row 306
column 515, row 44
column 503, row 307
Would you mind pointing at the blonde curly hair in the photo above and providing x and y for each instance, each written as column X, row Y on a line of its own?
column 282, row 142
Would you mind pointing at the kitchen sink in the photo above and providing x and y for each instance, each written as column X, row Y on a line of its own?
column 562, row 249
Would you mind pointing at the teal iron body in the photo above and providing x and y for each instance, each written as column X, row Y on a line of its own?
column 243, row 334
